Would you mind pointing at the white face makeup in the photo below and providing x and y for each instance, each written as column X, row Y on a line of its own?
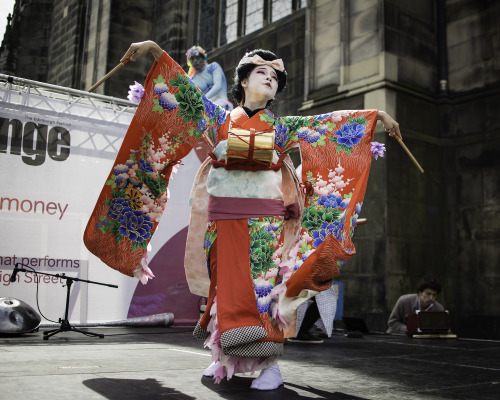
column 260, row 87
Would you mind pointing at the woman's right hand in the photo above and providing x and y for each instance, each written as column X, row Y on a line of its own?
column 390, row 126
column 137, row 50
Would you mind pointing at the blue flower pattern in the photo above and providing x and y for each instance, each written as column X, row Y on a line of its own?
column 334, row 228
column 264, row 307
column 350, row 134
column 281, row 135
column 263, row 291
column 145, row 166
column 210, row 107
column 312, row 137
column 302, row 133
column 222, row 117
column 118, row 206
column 201, row 125
column 135, row 225
column 332, row 201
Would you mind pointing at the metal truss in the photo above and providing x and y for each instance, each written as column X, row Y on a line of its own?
column 101, row 120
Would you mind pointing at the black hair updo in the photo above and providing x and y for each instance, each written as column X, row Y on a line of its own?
column 243, row 71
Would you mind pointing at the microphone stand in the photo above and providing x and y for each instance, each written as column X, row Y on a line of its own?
column 65, row 324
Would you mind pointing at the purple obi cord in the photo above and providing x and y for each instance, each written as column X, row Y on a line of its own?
column 242, row 207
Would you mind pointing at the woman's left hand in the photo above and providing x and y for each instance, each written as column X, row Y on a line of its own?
column 390, row 126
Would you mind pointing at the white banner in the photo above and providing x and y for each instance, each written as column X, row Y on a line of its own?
column 56, row 151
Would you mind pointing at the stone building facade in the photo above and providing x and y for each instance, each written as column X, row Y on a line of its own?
column 433, row 64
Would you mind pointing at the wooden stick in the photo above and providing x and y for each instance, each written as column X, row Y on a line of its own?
column 400, row 141
column 100, row 81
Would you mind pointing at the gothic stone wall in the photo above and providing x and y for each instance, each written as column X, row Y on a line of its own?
column 66, row 39
column 471, row 135
column 446, row 221
column 286, row 40
column 26, row 51
column 165, row 22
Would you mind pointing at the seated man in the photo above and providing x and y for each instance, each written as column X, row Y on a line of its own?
column 424, row 300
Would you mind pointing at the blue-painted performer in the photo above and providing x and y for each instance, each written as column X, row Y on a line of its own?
column 209, row 77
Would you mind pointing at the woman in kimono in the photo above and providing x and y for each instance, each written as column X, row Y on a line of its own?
column 268, row 241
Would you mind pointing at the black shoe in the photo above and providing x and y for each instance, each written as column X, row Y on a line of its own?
column 306, row 338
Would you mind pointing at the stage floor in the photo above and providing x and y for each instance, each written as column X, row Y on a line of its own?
column 167, row 363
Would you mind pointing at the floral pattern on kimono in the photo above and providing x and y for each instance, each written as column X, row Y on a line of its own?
column 171, row 118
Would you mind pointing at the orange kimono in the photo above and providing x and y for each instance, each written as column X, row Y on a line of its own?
column 270, row 243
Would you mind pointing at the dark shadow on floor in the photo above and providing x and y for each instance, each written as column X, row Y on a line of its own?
column 133, row 389
column 113, row 335
column 239, row 388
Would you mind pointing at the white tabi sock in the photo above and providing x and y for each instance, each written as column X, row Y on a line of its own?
column 269, row 379
column 210, row 371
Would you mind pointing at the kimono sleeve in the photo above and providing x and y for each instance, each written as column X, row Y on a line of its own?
column 171, row 118
column 336, row 158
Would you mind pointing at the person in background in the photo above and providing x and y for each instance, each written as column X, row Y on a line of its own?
column 424, row 300
column 209, row 77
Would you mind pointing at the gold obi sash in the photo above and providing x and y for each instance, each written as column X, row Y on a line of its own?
column 250, row 145
column 249, row 150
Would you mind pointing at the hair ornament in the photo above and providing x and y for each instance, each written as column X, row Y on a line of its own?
column 258, row 60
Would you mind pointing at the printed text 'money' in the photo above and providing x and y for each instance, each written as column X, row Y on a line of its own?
column 35, row 207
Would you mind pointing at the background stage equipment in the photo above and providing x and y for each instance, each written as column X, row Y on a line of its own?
column 159, row 320
column 428, row 322
column 65, row 325
column 156, row 320
column 354, row 327
column 17, row 317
